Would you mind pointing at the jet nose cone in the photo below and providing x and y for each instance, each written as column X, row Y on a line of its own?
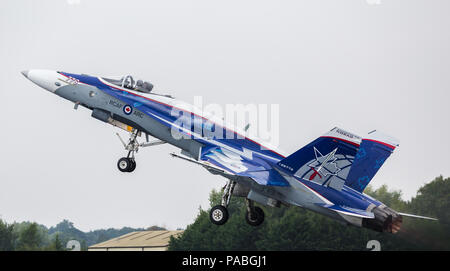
column 43, row 78
column 25, row 73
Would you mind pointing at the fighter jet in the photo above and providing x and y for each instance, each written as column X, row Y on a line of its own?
column 327, row 176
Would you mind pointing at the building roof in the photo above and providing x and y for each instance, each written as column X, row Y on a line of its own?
column 139, row 239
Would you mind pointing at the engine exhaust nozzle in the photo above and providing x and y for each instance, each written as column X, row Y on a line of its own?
column 386, row 220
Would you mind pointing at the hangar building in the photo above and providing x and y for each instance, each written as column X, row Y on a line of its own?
column 137, row 241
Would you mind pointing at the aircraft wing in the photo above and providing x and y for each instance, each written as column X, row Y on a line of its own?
column 208, row 166
column 255, row 168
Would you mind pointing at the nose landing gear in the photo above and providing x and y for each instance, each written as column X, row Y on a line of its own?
column 128, row 164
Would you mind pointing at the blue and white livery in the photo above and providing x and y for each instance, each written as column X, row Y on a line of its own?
column 327, row 176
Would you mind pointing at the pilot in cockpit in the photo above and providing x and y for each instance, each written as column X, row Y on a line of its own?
column 139, row 85
column 128, row 82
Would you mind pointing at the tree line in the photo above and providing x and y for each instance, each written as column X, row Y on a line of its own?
column 30, row 236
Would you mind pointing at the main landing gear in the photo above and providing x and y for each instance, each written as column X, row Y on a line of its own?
column 219, row 214
column 128, row 164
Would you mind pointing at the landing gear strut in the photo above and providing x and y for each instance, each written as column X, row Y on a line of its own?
column 128, row 164
column 219, row 213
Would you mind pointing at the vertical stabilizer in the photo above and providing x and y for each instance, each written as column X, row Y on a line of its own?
column 372, row 153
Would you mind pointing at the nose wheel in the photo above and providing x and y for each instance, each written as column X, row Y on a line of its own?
column 126, row 164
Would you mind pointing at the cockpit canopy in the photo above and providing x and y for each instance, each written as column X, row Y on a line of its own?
column 129, row 83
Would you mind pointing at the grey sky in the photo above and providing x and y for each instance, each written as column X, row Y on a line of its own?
column 326, row 63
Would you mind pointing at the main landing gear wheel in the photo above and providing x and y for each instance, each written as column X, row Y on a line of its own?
column 256, row 217
column 218, row 215
column 126, row 164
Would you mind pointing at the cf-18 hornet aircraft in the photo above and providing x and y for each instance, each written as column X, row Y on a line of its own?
column 327, row 176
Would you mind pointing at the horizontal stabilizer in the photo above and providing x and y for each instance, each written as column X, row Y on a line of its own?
column 418, row 216
column 347, row 210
